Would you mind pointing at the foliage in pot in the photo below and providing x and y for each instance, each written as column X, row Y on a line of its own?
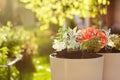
column 83, row 42
column 113, row 42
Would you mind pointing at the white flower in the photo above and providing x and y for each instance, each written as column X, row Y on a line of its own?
column 59, row 46
column 110, row 43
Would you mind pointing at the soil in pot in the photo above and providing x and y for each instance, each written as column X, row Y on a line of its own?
column 105, row 50
column 75, row 55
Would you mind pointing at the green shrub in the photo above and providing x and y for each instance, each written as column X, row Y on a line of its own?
column 57, row 11
column 11, row 42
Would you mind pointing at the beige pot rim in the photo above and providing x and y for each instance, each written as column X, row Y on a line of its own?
column 112, row 53
column 51, row 56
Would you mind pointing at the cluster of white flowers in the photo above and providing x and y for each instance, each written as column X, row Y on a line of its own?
column 59, row 46
column 110, row 43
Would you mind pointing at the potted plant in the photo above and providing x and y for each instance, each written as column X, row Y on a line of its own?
column 75, row 57
column 112, row 58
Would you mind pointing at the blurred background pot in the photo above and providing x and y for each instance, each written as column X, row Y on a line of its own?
column 111, row 66
column 76, row 69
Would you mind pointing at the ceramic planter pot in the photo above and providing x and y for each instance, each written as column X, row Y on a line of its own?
column 76, row 69
column 111, row 66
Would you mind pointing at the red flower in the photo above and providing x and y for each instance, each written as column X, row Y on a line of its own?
column 88, row 33
column 103, row 38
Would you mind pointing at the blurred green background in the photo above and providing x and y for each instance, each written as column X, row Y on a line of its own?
column 34, row 26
